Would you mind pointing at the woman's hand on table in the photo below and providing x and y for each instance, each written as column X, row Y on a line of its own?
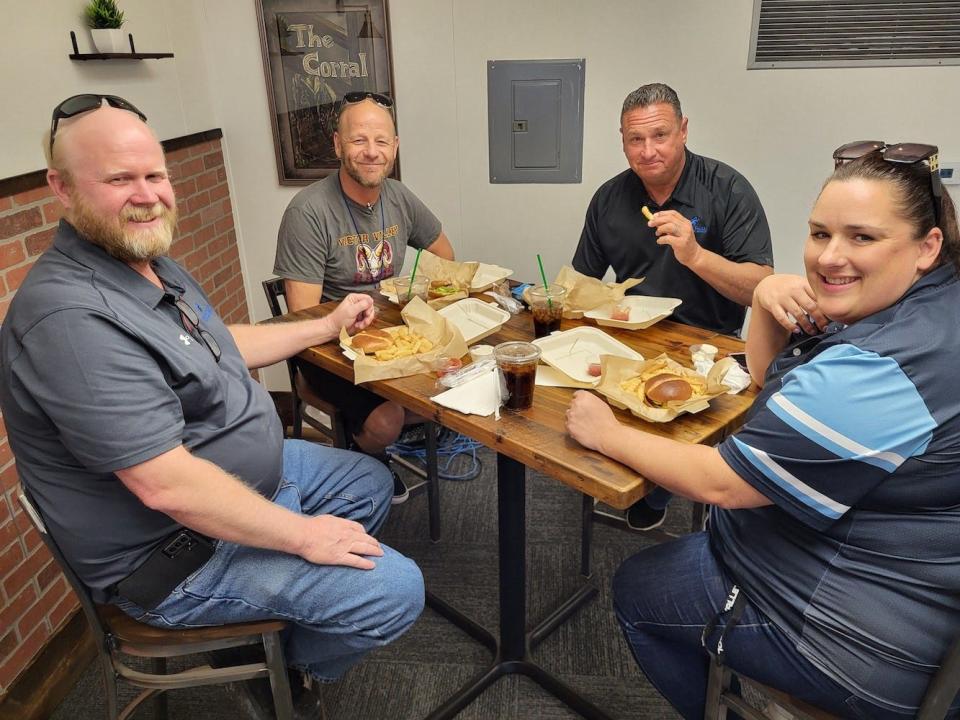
column 590, row 420
column 790, row 301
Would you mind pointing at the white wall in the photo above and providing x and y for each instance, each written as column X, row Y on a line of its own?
column 36, row 73
column 777, row 127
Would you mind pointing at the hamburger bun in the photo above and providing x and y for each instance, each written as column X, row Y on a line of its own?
column 666, row 387
column 441, row 288
column 371, row 340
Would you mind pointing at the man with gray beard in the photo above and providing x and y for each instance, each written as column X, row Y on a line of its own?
column 135, row 423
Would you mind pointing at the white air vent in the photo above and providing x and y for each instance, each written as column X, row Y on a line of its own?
column 854, row 33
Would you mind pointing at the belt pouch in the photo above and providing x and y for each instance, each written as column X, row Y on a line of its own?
column 176, row 558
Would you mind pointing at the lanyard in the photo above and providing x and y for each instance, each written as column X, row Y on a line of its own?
column 733, row 609
column 383, row 222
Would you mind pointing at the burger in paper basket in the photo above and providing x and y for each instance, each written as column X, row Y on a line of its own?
column 408, row 349
column 450, row 280
column 659, row 389
column 586, row 293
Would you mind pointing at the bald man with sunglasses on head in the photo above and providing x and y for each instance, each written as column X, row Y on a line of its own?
column 345, row 234
column 157, row 462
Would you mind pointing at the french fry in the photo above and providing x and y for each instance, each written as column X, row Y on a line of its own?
column 405, row 344
column 646, row 212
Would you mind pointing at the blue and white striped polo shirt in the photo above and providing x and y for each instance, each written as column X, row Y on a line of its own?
column 856, row 440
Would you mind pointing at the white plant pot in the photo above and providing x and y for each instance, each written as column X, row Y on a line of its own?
column 113, row 40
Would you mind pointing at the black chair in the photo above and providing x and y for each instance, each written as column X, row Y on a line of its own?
column 303, row 398
column 939, row 694
column 116, row 634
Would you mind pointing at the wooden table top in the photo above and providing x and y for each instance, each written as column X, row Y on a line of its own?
column 537, row 437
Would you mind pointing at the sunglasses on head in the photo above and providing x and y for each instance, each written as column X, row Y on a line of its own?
column 360, row 95
column 79, row 104
column 898, row 153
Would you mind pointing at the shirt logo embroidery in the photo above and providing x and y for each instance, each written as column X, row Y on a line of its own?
column 184, row 339
column 698, row 227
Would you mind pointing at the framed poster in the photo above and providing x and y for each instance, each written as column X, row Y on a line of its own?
column 315, row 51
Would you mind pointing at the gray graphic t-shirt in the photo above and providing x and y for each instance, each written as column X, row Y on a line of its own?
column 319, row 244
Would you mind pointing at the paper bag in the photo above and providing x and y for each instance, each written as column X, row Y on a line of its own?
column 615, row 370
column 450, row 272
column 422, row 320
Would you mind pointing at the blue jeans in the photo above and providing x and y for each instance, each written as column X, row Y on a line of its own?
column 664, row 596
column 337, row 613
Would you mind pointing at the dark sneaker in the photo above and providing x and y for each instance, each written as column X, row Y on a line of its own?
column 400, row 491
column 641, row 517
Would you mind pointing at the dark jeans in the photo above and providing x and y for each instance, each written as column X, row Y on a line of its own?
column 665, row 595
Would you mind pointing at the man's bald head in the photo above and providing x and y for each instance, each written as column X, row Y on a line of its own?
column 78, row 136
column 365, row 110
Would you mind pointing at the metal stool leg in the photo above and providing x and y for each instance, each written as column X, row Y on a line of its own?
column 586, row 534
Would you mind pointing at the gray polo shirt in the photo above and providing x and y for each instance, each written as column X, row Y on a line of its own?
column 99, row 374
column 326, row 238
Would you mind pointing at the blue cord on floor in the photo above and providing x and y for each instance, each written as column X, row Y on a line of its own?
column 453, row 449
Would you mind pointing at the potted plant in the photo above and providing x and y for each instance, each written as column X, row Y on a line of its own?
column 105, row 20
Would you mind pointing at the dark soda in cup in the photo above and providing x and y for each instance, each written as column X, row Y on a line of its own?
column 518, row 364
column 546, row 306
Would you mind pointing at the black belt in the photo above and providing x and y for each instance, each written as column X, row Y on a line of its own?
column 173, row 560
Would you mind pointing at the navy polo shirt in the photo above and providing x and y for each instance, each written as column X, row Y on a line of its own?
column 727, row 219
column 100, row 374
column 855, row 438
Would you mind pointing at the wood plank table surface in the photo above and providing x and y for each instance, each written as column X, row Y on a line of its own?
column 537, row 437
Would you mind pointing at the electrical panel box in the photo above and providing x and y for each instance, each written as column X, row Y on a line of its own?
column 535, row 119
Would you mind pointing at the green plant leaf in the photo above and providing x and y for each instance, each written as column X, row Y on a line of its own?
column 103, row 14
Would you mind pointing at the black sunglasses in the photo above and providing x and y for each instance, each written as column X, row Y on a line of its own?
column 191, row 323
column 85, row 103
column 900, row 153
column 361, row 95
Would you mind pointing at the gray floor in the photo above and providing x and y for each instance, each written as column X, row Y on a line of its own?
column 415, row 674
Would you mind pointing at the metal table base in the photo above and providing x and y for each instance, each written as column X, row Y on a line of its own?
column 512, row 649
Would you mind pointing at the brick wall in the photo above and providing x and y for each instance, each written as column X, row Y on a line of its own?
column 34, row 597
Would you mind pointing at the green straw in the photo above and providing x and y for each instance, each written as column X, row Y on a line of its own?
column 543, row 276
column 413, row 275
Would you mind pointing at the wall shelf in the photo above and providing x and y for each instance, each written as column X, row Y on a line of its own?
column 132, row 55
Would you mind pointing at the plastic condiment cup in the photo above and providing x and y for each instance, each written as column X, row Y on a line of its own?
column 479, row 352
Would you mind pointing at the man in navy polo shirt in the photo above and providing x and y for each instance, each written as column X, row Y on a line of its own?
column 707, row 244
column 134, row 421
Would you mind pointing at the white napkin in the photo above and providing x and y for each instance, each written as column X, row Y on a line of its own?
column 477, row 397
column 736, row 379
